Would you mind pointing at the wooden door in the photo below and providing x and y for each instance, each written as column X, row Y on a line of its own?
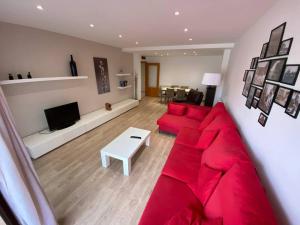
column 152, row 79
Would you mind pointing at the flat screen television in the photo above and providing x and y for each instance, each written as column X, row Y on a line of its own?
column 62, row 116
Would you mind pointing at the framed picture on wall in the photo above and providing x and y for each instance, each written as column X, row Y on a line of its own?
column 254, row 103
column 250, row 97
column 276, row 69
column 257, row 92
column 293, row 105
column 267, row 97
column 245, row 75
column 254, row 62
column 282, row 96
column 261, row 73
column 290, row 74
column 275, row 40
column 248, row 82
column 285, row 47
column 262, row 119
column 263, row 51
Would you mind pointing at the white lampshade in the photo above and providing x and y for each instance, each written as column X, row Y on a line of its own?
column 212, row 79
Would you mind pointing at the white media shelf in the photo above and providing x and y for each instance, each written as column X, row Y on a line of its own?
column 123, row 74
column 128, row 86
column 44, row 142
column 43, row 79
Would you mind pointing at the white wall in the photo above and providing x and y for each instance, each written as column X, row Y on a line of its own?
column 276, row 147
column 46, row 54
column 186, row 70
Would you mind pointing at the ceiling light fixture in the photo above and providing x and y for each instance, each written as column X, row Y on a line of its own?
column 39, row 7
column 155, row 53
column 190, row 39
column 136, row 42
column 186, row 30
column 184, row 53
column 92, row 25
column 176, row 13
column 161, row 55
column 120, row 36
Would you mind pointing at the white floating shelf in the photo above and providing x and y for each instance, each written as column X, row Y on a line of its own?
column 123, row 74
column 32, row 80
column 128, row 86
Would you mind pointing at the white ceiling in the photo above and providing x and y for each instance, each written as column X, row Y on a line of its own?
column 150, row 22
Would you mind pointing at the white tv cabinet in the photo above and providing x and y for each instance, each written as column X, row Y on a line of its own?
column 40, row 143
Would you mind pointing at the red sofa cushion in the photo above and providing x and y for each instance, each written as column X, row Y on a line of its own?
column 196, row 113
column 216, row 110
column 214, row 221
column 176, row 109
column 169, row 197
column 221, row 121
column 188, row 216
column 183, row 164
column 172, row 123
column 208, row 178
column 188, row 137
column 227, row 149
column 206, row 139
column 240, row 199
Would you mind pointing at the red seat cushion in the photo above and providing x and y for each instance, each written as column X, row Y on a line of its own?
column 208, row 178
column 241, row 197
column 172, row 123
column 176, row 109
column 219, row 108
column 220, row 122
column 188, row 216
column 196, row 113
column 188, row 137
column 169, row 197
column 206, row 138
column 213, row 221
column 183, row 164
column 227, row 149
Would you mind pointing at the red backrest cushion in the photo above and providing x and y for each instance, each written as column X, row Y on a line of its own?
column 188, row 216
column 219, row 108
column 214, row 221
column 206, row 139
column 221, row 121
column 196, row 113
column 240, row 199
column 227, row 149
column 176, row 109
column 208, row 178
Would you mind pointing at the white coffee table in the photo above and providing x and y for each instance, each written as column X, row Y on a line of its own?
column 123, row 147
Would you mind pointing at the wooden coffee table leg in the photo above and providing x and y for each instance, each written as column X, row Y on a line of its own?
column 126, row 166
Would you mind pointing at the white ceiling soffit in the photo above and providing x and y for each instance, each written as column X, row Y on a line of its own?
column 140, row 22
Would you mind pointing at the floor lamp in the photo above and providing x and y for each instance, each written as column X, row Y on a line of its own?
column 212, row 80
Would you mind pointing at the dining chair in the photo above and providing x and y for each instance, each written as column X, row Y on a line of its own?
column 174, row 86
column 180, row 96
column 184, row 87
column 162, row 94
column 169, row 95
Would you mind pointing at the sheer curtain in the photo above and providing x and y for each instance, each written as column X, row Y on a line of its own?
column 19, row 183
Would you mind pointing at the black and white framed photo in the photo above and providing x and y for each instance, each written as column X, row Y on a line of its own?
column 255, row 103
column 261, row 73
column 285, row 47
column 263, row 51
column 262, row 119
column 267, row 97
column 275, row 40
column 293, row 105
column 250, row 97
column 276, row 69
column 245, row 75
column 290, row 74
column 248, row 82
column 254, row 63
column 282, row 96
column 258, row 92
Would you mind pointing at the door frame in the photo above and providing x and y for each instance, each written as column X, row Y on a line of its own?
column 148, row 90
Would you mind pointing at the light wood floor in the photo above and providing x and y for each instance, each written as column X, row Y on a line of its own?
column 82, row 192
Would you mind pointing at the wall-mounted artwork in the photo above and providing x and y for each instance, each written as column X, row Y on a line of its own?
column 275, row 40
column 102, row 76
column 290, row 74
column 293, row 106
column 263, row 82
column 267, row 96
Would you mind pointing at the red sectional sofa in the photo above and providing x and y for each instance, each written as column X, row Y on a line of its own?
column 208, row 178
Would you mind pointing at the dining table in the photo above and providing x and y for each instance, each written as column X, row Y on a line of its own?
column 164, row 88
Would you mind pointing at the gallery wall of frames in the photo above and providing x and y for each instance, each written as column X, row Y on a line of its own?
column 270, row 79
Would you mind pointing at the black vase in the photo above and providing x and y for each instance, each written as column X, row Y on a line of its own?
column 20, row 76
column 73, row 67
column 10, row 77
column 29, row 75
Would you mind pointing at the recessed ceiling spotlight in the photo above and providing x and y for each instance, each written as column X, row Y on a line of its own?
column 136, row 42
column 186, row 30
column 39, row 7
column 161, row 55
column 194, row 52
column 167, row 53
column 184, row 53
column 120, row 36
column 176, row 13
column 92, row 25
column 190, row 39
column 155, row 53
